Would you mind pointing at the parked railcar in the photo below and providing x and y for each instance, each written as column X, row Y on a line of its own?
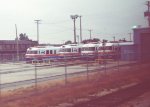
column 99, row 50
column 42, row 52
column 90, row 50
column 70, row 51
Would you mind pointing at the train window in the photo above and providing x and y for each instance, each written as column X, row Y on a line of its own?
column 62, row 50
column 51, row 52
column 75, row 50
column 92, row 48
column 31, row 52
column 68, row 50
column 108, row 48
column 47, row 51
column 83, row 49
column 86, row 49
column 79, row 50
column 34, row 52
column 54, row 51
column 42, row 52
column 99, row 48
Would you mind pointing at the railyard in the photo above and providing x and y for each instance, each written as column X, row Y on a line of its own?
column 21, row 83
column 94, row 72
column 19, row 74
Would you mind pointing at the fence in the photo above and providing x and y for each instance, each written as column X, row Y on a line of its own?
column 17, row 75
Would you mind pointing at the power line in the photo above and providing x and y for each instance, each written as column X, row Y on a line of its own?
column 57, row 22
column 58, row 32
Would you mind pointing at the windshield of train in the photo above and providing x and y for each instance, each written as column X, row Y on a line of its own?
column 31, row 52
column 88, row 49
column 105, row 48
column 65, row 50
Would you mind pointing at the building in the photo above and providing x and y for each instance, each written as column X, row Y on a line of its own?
column 142, row 43
column 8, row 49
column 127, row 51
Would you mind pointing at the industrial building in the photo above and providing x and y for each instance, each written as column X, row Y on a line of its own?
column 9, row 49
column 139, row 49
column 142, row 43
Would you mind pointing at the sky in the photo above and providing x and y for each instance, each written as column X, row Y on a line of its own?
column 106, row 18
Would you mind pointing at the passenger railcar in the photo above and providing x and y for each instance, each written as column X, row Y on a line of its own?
column 90, row 50
column 99, row 50
column 71, row 51
column 42, row 52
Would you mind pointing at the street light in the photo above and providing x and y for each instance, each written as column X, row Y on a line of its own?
column 80, row 29
column 78, row 39
column 37, row 22
column 74, row 17
column 90, row 30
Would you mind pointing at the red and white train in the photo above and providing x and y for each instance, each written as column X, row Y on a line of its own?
column 100, row 50
column 42, row 52
column 71, row 51
column 74, row 51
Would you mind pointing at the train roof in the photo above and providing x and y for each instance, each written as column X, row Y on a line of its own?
column 107, row 44
column 42, row 47
column 71, row 45
column 91, row 45
column 121, row 44
column 110, row 44
column 126, row 43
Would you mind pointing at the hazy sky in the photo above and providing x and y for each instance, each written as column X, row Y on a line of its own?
column 106, row 18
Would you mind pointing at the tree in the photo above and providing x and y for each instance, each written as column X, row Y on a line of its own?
column 123, row 40
column 23, row 36
column 90, row 40
column 68, row 42
column 96, row 40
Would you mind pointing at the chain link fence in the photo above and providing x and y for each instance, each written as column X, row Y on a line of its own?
column 17, row 75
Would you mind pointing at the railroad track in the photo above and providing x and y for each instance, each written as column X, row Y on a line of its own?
column 31, row 81
column 117, row 98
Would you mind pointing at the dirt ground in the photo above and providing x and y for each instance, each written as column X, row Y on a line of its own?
column 79, row 88
column 141, row 101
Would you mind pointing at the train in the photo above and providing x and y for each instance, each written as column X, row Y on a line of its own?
column 42, row 52
column 74, row 51
column 70, row 51
column 52, row 53
column 100, row 50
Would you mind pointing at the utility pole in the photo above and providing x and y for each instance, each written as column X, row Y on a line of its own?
column 114, row 38
column 147, row 13
column 37, row 22
column 90, row 30
column 17, row 47
column 80, row 29
column 74, row 17
column 78, row 39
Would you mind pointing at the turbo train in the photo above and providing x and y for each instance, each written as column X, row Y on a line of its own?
column 93, row 51
column 42, row 52
column 73, row 51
